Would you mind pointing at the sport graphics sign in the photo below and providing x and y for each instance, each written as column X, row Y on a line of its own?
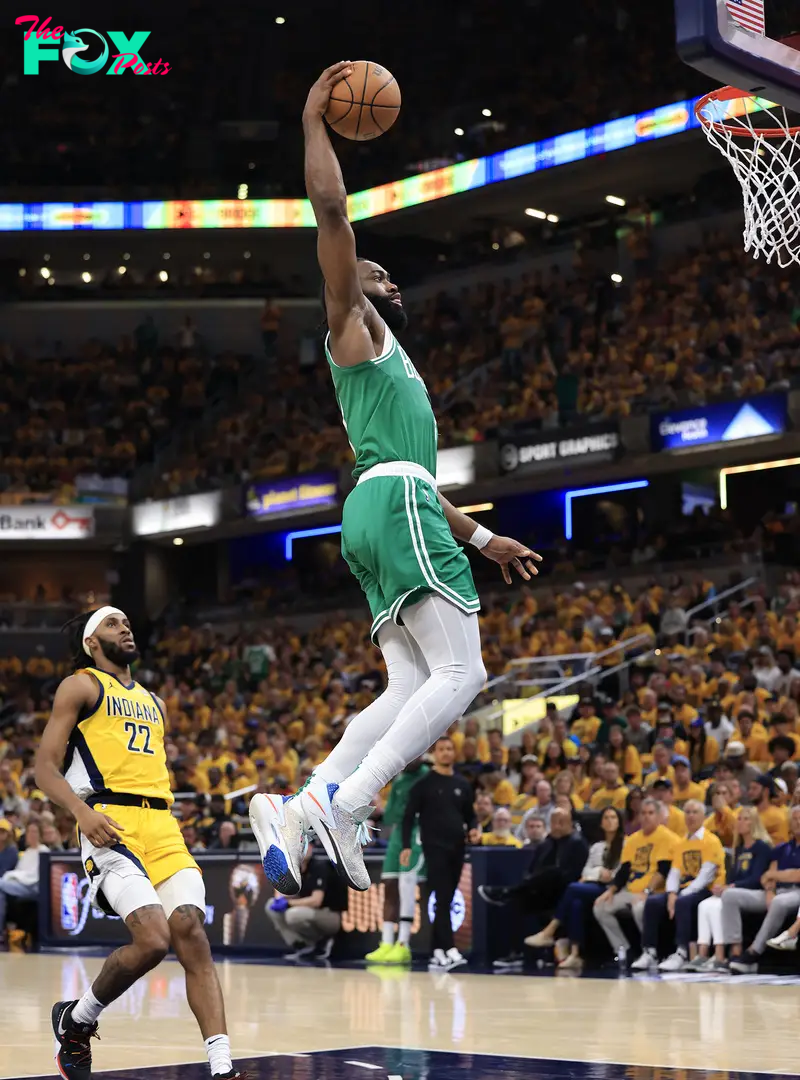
column 724, row 421
column 46, row 522
column 527, row 451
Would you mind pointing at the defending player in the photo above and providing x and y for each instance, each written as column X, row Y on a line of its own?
column 399, row 882
column 398, row 537
column 106, row 733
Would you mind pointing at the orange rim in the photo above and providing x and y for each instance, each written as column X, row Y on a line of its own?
column 730, row 93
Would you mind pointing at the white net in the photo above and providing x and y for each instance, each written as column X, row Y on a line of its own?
column 766, row 161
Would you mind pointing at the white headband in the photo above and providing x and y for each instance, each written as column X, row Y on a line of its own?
column 93, row 623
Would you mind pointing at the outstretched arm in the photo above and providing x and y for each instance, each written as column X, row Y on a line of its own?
column 345, row 303
column 500, row 549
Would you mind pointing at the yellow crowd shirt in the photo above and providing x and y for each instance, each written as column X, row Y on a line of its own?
column 691, row 791
column 118, row 744
column 490, row 839
column 676, row 822
column 605, row 797
column 692, row 852
column 723, row 824
column 651, row 777
column 644, row 853
column 775, row 820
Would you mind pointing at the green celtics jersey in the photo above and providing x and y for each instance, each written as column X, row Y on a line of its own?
column 386, row 410
column 398, row 796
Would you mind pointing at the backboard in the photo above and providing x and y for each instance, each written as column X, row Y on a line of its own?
column 743, row 43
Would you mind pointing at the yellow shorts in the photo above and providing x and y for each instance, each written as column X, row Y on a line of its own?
column 151, row 839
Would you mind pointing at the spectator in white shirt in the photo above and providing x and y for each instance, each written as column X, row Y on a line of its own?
column 766, row 671
column 23, row 881
column 674, row 620
column 717, row 724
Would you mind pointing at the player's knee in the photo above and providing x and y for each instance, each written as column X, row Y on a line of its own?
column 402, row 680
column 153, row 946
column 475, row 679
column 188, row 934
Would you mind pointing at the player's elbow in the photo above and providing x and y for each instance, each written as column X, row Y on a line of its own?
column 331, row 210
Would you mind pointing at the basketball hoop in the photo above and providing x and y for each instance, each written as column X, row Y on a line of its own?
column 766, row 162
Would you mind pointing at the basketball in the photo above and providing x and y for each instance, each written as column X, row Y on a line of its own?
column 366, row 104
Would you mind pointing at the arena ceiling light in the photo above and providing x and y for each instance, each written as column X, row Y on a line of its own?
column 539, row 214
column 604, row 489
column 477, row 508
column 553, row 219
column 617, row 279
column 486, row 112
column 301, row 534
column 615, row 200
column 758, row 467
column 86, row 277
column 458, row 131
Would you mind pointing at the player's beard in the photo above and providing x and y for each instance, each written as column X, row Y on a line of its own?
column 392, row 314
column 115, row 654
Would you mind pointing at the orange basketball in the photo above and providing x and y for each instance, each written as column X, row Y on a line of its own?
column 366, row 103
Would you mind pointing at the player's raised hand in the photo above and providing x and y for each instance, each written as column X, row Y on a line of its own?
column 99, row 829
column 320, row 93
column 510, row 553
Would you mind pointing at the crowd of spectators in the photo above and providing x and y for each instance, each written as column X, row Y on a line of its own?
column 103, row 411
column 710, row 718
column 540, row 350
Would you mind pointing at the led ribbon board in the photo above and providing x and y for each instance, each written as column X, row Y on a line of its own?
column 398, row 195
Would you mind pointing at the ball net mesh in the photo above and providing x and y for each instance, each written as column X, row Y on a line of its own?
column 766, row 162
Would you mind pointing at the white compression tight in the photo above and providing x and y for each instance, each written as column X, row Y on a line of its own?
column 406, row 671
column 442, row 645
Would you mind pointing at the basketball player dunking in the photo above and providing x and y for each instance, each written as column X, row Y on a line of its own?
column 107, row 734
column 398, row 537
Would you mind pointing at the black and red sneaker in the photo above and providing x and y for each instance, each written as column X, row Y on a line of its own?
column 233, row 1075
column 73, row 1043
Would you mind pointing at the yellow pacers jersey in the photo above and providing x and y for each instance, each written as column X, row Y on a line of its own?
column 644, row 853
column 692, row 852
column 118, row 745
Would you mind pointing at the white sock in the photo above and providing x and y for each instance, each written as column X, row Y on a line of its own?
column 218, row 1048
column 88, row 1009
column 450, row 642
column 404, row 933
column 388, row 934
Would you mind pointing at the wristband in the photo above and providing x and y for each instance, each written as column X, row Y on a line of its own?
column 481, row 537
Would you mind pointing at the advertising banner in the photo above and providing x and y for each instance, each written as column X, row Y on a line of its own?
column 173, row 515
column 93, row 488
column 46, row 522
column 523, row 450
column 237, row 893
column 275, row 498
column 723, row 421
column 455, row 467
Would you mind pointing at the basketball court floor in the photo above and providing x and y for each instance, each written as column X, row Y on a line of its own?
column 322, row 1023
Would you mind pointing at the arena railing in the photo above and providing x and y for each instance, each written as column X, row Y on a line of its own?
column 714, row 601
column 557, row 678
